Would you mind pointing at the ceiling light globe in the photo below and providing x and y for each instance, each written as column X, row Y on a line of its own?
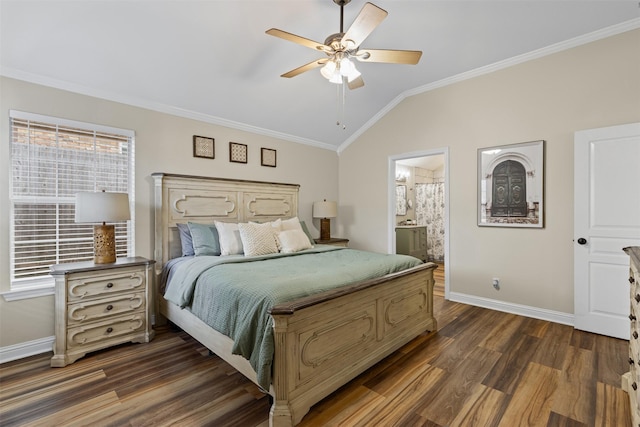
column 353, row 74
column 328, row 70
column 336, row 78
column 346, row 66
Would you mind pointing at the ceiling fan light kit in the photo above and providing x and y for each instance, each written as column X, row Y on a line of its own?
column 341, row 48
column 335, row 69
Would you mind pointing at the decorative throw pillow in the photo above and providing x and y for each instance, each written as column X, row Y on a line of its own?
column 185, row 239
column 293, row 241
column 258, row 239
column 204, row 238
column 229, row 235
column 277, row 228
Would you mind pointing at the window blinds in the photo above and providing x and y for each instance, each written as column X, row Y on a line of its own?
column 52, row 160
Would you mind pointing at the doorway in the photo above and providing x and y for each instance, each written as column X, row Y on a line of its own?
column 419, row 198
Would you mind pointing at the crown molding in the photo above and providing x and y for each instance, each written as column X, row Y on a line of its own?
column 155, row 106
column 613, row 30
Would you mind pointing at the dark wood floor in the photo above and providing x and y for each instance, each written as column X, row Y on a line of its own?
column 482, row 368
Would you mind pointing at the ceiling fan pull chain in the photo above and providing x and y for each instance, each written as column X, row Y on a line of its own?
column 340, row 103
column 338, row 115
column 342, row 88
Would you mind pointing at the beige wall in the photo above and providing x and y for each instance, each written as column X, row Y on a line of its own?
column 163, row 143
column 594, row 85
column 591, row 86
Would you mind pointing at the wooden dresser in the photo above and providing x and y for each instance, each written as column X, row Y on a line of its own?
column 100, row 305
column 631, row 380
column 412, row 240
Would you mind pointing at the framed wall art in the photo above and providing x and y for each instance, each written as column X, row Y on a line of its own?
column 204, row 147
column 511, row 185
column 268, row 157
column 237, row 152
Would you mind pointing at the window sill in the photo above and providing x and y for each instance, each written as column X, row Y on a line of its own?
column 27, row 293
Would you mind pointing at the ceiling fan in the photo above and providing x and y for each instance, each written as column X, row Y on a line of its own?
column 342, row 47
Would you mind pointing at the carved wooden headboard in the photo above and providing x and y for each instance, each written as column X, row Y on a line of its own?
column 184, row 198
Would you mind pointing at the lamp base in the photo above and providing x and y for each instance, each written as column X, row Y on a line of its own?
column 104, row 244
column 325, row 229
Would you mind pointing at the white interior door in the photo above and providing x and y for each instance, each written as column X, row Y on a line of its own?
column 606, row 219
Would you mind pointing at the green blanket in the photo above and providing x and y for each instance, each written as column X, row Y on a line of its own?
column 234, row 294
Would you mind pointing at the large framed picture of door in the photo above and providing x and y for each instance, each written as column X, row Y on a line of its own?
column 511, row 185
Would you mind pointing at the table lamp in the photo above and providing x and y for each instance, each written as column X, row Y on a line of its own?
column 102, row 207
column 325, row 210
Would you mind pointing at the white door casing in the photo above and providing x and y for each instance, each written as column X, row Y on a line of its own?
column 606, row 219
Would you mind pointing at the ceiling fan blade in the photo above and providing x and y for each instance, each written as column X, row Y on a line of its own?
column 367, row 20
column 306, row 67
column 297, row 39
column 391, row 56
column 356, row 83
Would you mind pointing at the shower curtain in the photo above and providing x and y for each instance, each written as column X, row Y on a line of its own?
column 430, row 212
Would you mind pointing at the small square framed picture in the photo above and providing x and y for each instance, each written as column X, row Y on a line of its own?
column 268, row 157
column 237, row 152
column 203, row 147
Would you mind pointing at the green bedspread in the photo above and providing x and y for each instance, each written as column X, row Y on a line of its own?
column 234, row 294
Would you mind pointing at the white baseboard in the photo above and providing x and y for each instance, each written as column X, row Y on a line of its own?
column 43, row 345
column 522, row 310
column 26, row 349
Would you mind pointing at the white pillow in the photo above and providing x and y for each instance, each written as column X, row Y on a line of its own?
column 277, row 225
column 291, row 224
column 293, row 241
column 258, row 239
column 229, row 236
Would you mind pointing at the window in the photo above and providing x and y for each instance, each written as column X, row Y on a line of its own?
column 51, row 160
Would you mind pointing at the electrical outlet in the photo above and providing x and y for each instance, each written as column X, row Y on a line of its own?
column 496, row 283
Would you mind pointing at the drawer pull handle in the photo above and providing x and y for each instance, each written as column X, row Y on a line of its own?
column 635, row 334
column 109, row 330
column 109, row 285
column 632, row 317
column 631, row 362
column 632, row 280
column 109, row 307
column 634, row 386
column 637, row 297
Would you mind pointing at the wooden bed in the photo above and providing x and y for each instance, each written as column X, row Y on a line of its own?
column 321, row 342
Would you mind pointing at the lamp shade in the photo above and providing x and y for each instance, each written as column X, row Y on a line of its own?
column 102, row 207
column 325, row 209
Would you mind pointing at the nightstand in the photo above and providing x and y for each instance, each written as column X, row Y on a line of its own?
column 335, row 241
column 101, row 305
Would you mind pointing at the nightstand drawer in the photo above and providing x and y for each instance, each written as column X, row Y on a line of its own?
column 98, row 285
column 116, row 329
column 100, row 305
column 88, row 311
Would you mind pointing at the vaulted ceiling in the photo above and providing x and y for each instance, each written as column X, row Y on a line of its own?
column 211, row 60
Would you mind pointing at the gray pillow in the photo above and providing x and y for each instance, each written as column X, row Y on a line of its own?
column 205, row 239
column 185, row 240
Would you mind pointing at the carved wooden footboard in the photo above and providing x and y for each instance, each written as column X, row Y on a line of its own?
column 324, row 342
column 321, row 342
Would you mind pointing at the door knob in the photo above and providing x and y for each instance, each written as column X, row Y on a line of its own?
column 582, row 241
